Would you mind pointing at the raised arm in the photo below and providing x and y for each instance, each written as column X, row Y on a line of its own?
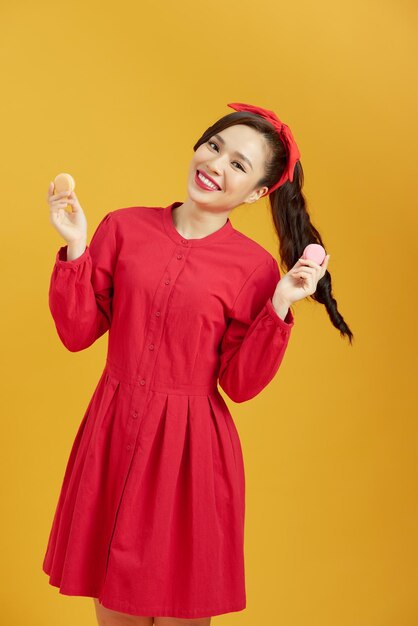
column 81, row 290
column 256, row 338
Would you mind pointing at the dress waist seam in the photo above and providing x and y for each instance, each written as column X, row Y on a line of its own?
column 160, row 386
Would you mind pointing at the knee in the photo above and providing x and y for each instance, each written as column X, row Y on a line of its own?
column 108, row 617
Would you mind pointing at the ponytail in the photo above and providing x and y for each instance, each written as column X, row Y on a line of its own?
column 295, row 231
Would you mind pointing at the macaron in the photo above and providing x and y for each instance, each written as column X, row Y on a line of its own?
column 63, row 182
column 314, row 252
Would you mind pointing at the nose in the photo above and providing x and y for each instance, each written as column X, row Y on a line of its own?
column 215, row 165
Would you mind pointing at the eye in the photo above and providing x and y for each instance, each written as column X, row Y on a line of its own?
column 212, row 143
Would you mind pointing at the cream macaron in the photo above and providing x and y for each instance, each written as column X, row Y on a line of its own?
column 64, row 182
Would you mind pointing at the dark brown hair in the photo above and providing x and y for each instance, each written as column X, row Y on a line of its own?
column 288, row 207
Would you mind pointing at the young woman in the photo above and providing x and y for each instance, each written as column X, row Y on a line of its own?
column 150, row 518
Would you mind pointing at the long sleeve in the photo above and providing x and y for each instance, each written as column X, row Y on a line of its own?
column 81, row 290
column 256, row 338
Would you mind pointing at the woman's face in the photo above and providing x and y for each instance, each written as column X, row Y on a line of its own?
column 234, row 160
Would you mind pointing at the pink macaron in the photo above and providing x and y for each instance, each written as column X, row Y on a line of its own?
column 314, row 252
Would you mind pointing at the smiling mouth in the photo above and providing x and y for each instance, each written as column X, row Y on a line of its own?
column 205, row 183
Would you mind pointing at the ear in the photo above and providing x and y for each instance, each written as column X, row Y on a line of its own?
column 256, row 194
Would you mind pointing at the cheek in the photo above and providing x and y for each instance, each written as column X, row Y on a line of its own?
column 195, row 161
column 202, row 157
column 194, row 164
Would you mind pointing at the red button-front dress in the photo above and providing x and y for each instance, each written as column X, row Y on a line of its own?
column 150, row 517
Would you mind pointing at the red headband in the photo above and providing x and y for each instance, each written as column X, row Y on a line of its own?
column 285, row 135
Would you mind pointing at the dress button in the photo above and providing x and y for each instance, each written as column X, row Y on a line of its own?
column 128, row 447
column 135, row 414
column 158, row 313
column 167, row 281
column 142, row 381
column 179, row 256
column 151, row 346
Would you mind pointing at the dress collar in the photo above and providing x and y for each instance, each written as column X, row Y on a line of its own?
column 171, row 231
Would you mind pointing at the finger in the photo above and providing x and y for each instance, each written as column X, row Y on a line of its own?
column 59, row 193
column 308, row 262
column 315, row 267
column 58, row 202
column 59, row 196
column 325, row 265
column 308, row 269
column 303, row 275
column 50, row 193
column 310, row 281
column 58, row 208
column 325, row 261
column 58, row 205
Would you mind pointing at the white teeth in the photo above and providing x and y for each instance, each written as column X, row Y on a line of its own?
column 206, row 181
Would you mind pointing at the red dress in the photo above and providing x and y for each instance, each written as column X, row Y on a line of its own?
column 150, row 517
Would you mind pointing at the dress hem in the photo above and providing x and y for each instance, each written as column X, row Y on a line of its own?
column 155, row 611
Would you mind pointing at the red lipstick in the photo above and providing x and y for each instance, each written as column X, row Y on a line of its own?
column 202, row 184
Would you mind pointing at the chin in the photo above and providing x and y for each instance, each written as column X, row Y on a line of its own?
column 197, row 196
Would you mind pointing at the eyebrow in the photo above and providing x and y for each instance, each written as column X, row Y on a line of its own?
column 241, row 156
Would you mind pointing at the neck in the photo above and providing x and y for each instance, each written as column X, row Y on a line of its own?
column 194, row 221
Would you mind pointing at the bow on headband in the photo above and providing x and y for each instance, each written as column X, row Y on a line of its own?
column 293, row 154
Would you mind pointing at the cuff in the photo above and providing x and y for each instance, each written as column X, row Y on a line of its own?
column 288, row 321
column 61, row 257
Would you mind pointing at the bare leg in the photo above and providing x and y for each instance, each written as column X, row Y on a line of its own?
column 174, row 621
column 107, row 617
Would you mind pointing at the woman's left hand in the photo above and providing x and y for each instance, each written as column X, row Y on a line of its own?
column 300, row 281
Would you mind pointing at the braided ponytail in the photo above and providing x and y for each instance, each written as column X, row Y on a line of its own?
column 295, row 231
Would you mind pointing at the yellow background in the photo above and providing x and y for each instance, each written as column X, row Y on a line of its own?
column 117, row 94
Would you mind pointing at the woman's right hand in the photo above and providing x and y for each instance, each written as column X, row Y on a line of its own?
column 71, row 226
